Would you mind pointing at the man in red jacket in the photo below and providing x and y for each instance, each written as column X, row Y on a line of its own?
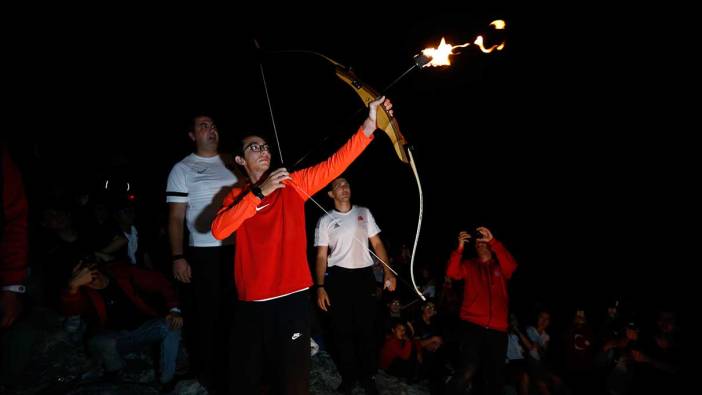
column 16, row 333
column 116, row 299
column 484, row 312
column 13, row 240
column 272, row 326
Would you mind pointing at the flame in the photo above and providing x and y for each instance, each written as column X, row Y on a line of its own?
column 440, row 55
column 479, row 42
column 498, row 24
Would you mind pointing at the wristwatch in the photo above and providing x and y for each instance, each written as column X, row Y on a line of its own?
column 20, row 289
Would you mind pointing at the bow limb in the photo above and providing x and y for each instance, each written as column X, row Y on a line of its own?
column 419, row 223
column 390, row 126
column 385, row 122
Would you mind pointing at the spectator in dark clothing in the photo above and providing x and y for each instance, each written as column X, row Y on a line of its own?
column 102, row 233
column 617, row 358
column 60, row 248
column 659, row 360
column 428, row 336
column 579, row 355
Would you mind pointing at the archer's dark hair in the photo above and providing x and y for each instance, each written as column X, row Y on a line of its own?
column 239, row 146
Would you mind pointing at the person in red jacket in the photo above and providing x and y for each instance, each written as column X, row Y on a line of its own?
column 117, row 300
column 400, row 354
column 16, row 333
column 484, row 312
column 14, row 246
column 271, row 271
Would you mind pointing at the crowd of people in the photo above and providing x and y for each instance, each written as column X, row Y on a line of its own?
column 224, row 289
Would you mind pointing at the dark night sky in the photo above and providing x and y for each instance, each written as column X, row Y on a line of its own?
column 548, row 138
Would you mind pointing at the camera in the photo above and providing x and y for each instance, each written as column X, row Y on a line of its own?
column 475, row 235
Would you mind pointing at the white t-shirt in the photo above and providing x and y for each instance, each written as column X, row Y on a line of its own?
column 515, row 351
column 541, row 339
column 202, row 183
column 132, row 243
column 347, row 235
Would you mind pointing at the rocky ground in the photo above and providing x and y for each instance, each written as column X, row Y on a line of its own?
column 59, row 366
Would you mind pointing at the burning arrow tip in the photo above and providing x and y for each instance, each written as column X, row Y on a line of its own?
column 421, row 60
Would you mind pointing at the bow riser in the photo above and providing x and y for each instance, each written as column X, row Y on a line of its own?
column 385, row 122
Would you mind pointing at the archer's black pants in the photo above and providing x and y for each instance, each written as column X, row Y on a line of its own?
column 271, row 340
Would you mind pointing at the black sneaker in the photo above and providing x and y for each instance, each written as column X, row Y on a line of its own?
column 369, row 386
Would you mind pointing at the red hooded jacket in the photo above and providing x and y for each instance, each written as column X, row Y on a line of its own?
column 485, row 298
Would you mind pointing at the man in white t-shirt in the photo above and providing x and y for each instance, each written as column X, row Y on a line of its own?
column 196, row 188
column 347, row 291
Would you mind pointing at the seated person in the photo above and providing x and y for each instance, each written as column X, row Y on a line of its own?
column 429, row 336
column 515, row 368
column 400, row 355
column 115, row 299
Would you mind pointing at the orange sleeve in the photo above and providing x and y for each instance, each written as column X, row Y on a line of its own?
column 235, row 210
column 316, row 177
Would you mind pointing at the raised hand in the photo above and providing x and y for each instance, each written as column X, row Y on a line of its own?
column 83, row 274
column 274, row 181
column 371, row 123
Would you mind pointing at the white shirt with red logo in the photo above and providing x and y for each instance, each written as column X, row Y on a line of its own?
column 347, row 235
